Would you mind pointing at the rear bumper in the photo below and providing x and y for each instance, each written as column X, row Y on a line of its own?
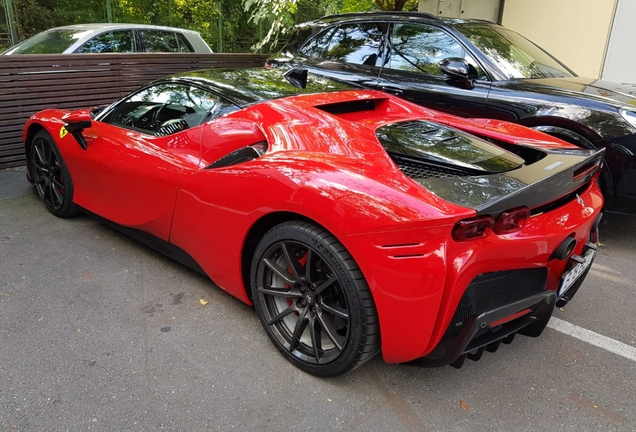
column 485, row 331
column 418, row 277
column 489, row 329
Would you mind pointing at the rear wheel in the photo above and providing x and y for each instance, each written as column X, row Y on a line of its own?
column 313, row 300
column 51, row 177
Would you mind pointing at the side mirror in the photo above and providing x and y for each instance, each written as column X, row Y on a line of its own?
column 75, row 123
column 455, row 67
column 458, row 71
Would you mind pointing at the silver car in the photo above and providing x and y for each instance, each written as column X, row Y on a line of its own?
column 111, row 38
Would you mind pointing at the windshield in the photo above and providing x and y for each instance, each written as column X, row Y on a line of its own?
column 48, row 42
column 515, row 55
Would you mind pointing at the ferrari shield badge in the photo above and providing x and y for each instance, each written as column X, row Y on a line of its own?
column 63, row 132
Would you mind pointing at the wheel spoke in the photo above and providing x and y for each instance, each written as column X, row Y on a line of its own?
column 39, row 167
column 40, row 180
column 58, row 183
column 308, row 266
column 47, row 192
column 58, row 194
column 49, row 155
column 38, row 153
column 293, row 264
column 282, row 315
column 326, row 284
column 331, row 332
column 280, row 271
column 315, row 338
column 279, row 292
column 301, row 324
column 334, row 311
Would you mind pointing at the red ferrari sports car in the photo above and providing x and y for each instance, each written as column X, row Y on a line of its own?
column 354, row 221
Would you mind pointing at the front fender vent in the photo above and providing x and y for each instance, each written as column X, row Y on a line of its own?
column 244, row 154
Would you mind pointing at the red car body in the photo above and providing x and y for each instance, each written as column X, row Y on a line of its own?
column 329, row 169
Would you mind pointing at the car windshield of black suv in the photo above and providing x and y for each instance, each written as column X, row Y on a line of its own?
column 515, row 55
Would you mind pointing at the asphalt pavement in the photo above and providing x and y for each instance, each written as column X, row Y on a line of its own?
column 100, row 333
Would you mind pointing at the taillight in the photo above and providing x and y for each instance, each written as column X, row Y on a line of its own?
column 471, row 229
column 508, row 222
column 512, row 220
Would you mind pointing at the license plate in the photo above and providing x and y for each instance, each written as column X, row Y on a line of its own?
column 572, row 275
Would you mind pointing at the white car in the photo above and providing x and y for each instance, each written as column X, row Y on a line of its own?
column 111, row 38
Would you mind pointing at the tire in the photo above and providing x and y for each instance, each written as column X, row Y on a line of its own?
column 313, row 300
column 51, row 177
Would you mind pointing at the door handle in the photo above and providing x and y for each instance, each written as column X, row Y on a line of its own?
column 393, row 90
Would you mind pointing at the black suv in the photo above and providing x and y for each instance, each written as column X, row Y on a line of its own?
column 475, row 68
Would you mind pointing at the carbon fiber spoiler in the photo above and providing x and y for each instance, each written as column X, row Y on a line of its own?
column 560, row 173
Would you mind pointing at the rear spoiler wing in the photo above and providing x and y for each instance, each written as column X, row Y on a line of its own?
column 560, row 173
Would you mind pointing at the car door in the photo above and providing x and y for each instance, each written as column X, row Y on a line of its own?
column 136, row 153
column 160, row 41
column 411, row 70
column 117, row 41
column 350, row 52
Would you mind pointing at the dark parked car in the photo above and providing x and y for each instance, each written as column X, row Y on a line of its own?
column 475, row 68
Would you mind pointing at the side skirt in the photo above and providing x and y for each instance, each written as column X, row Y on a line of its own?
column 161, row 246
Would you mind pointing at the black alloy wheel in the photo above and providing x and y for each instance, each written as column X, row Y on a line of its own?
column 50, row 176
column 313, row 301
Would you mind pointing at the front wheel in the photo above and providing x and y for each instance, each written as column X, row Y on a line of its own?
column 51, row 177
column 313, row 300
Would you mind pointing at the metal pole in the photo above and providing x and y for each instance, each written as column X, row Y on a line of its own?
column 220, row 26
column 8, row 5
column 170, row 12
column 109, row 11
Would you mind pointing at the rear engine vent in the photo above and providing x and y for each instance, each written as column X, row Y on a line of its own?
column 348, row 107
column 417, row 169
column 492, row 290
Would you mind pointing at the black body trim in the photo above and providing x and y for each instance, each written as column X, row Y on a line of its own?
column 476, row 334
column 161, row 246
column 238, row 156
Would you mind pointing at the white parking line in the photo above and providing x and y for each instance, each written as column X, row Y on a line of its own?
column 593, row 338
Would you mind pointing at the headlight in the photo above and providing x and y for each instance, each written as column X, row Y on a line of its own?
column 629, row 116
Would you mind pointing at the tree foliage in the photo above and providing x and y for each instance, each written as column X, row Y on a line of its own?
column 243, row 21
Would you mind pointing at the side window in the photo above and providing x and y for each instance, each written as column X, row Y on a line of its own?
column 184, row 45
column 109, row 42
column 163, row 109
column 159, row 41
column 418, row 48
column 356, row 43
column 316, row 46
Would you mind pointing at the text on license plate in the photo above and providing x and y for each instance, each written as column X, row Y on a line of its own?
column 575, row 272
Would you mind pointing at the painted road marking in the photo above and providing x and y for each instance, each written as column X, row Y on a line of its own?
column 608, row 344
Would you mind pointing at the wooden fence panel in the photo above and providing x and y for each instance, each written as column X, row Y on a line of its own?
column 31, row 83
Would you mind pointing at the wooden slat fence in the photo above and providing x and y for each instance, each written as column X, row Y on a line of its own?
column 30, row 83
